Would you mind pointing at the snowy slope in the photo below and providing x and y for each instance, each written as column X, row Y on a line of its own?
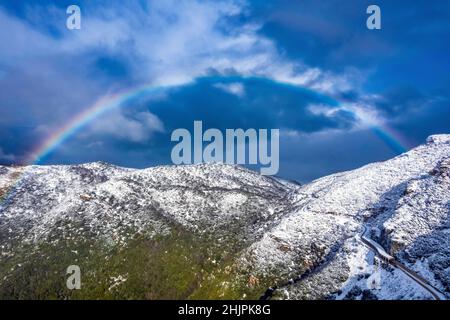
column 109, row 199
column 405, row 198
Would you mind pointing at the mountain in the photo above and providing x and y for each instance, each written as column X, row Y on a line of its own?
column 221, row 231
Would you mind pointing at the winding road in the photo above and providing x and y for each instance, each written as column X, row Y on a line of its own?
column 379, row 250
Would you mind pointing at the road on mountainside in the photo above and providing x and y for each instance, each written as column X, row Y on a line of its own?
column 379, row 250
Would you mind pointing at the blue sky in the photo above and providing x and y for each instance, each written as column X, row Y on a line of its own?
column 310, row 68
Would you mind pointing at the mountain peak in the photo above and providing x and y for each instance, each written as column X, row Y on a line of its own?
column 438, row 139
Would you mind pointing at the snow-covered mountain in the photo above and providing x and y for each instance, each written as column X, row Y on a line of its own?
column 221, row 231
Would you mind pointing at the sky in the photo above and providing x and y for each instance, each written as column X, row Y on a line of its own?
column 342, row 95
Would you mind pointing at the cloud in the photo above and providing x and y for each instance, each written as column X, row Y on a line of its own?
column 308, row 156
column 168, row 47
column 21, row 38
column 235, row 88
column 138, row 128
column 6, row 157
column 400, row 99
column 52, row 76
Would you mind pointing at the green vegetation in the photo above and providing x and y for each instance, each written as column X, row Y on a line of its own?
column 181, row 265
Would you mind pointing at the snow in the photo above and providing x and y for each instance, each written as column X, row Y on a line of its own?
column 402, row 197
column 285, row 229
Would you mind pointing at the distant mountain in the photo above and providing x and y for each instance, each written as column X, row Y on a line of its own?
column 222, row 231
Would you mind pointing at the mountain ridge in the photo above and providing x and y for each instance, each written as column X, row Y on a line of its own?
column 257, row 230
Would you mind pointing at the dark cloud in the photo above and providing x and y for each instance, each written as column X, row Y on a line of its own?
column 400, row 100
column 308, row 157
column 263, row 104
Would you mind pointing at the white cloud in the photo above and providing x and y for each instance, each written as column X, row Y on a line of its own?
column 199, row 39
column 20, row 40
column 366, row 115
column 235, row 88
column 140, row 128
column 170, row 47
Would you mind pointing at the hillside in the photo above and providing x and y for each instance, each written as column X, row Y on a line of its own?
column 221, row 231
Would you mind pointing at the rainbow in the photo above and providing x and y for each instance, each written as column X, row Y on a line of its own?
column 66, row 131
column 392, row 138
column 100, row 107
column 111, row 101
